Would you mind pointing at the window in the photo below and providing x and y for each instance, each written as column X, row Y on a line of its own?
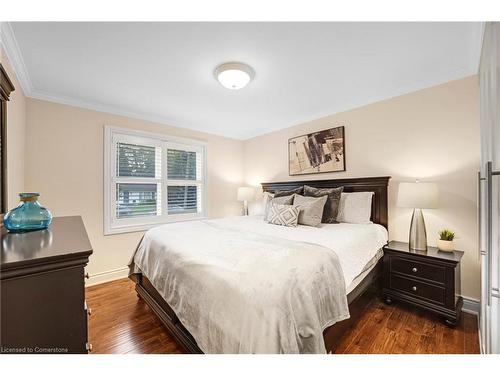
column 151, row 179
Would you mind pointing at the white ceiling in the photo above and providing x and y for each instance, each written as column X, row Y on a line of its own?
column 164, row 71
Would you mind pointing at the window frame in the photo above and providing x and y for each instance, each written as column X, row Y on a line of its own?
column 112, row 135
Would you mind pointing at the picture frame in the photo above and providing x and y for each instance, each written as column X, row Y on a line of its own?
column 318, row 152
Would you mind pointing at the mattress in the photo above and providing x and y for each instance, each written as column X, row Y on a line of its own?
column 366, row 270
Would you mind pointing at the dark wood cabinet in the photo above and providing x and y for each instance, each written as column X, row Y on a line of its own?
column 428, row 279
column 43, row 307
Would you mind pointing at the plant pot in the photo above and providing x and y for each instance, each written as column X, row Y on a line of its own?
column 447, row 246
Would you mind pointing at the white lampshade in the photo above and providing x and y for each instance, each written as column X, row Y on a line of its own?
column 245, row 194
column 418, row 195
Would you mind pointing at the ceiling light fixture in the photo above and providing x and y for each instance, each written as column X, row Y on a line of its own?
column 234, row 75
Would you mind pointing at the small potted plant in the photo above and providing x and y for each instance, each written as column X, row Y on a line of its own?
column 445, row 242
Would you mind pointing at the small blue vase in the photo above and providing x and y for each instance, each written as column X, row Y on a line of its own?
column 28, row 215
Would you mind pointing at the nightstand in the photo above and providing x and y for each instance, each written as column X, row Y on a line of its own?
column 427, row 279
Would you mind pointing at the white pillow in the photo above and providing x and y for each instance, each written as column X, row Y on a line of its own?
column 355, row 208
column 259, row 208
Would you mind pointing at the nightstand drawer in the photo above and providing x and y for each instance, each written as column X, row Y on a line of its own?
column 418, row 269
column 418, row 289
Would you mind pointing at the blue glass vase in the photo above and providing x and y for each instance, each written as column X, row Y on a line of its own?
column 28, row 215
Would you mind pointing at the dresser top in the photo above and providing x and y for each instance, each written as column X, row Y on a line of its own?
column 432, row 252
column 65, row 239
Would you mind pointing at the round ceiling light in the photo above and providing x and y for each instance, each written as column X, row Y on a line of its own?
column 234, row 75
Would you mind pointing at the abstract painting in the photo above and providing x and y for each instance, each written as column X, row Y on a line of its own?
column 318, row 152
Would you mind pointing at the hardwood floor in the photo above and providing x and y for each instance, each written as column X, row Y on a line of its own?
column 122, row 323
column 404, row 329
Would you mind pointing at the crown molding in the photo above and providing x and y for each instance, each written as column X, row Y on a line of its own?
column 13, row 52
column 118, row 111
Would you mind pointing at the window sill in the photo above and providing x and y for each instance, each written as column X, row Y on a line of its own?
column 121, row 229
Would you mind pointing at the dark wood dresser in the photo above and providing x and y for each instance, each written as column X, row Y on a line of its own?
column 42, row 289
column 428, row 279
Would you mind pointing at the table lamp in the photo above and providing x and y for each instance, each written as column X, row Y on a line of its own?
column 418, row 195
column 245, row 195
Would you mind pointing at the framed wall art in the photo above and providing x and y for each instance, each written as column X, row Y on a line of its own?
column 318, row 152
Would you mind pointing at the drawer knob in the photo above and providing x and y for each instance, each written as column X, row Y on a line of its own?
column 89, row 311
column 414, row 270
column 87, row 275
column 414, row 288
column 88, row 347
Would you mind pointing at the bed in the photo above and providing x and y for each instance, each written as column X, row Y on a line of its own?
column 360, row 269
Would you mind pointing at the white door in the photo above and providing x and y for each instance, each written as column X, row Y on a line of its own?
column 489, row 80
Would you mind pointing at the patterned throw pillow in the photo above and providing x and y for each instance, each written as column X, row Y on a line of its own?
column 288, row 200
column 281, row 214
column 332, row 204
column 311, row 209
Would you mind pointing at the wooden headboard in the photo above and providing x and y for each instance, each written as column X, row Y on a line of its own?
column 376, row 184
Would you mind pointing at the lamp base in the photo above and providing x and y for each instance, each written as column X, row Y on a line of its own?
column 245, row 208
column 418, row 235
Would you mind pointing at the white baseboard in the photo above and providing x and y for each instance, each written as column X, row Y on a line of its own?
column 104, row 277
column 470, row 306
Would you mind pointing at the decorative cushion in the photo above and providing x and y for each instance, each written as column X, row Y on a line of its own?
column 311, row 209
column 355, row 208
column 282, row 193
column 286, row 200
column 330, row 212
column 259, row 207
column 280, row 214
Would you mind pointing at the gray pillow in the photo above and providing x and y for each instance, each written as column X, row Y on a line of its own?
column 281, row 214
column 287, row 200
column 311, row 209
column 332, row 204
column 282, row 193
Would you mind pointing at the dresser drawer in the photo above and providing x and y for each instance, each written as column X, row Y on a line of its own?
column 418, row 269
column 412, row 287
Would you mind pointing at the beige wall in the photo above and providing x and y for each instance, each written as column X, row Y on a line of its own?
column 64, row 162
column 432, row 134
column 16, row 133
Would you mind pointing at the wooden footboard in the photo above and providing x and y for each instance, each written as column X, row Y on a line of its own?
column 331, row 335
column 164, row 312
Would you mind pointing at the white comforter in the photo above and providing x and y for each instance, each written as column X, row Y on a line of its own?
column 240, row 285
column 355, row 244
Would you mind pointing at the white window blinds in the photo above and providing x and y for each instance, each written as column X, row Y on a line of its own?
column 151, row 179
column 138, row 180
column 184, row 179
